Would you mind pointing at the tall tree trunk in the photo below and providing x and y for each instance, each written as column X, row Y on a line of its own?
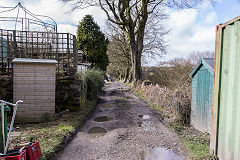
column 127, row 74
column 136, row 43
column 130, row 77
column 120, row 76
column 136, row 62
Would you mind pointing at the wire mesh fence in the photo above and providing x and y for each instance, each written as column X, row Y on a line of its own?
column 38, row 45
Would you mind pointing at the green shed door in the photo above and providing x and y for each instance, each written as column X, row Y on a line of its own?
column 203, row 83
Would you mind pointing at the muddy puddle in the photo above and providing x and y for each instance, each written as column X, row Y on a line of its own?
column 97, row 132
column 124, row 90
column 144, row 124
column 144, row 116
column 103, row 119
column 159, row 153
column 108, row 106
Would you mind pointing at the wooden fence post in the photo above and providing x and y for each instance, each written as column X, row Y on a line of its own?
column 75, row 52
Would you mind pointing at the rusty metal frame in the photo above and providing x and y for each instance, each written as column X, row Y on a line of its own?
column 28, row 20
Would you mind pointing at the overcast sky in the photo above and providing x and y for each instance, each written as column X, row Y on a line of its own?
column 191, row 29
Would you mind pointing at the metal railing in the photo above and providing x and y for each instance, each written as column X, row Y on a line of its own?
column 15, row 106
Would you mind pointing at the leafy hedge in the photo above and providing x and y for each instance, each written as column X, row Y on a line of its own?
column 94, row 79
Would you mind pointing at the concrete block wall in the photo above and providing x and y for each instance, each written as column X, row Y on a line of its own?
column 34, row 82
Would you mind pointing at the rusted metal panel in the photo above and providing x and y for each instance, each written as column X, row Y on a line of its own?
column 225, row 131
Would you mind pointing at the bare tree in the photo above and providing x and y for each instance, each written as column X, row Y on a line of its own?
column 132, row 16
column 118, row 52
column 196, row 56
column 154, row 44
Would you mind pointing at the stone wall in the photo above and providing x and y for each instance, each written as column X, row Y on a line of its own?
column 68, row 94
column 6, row 89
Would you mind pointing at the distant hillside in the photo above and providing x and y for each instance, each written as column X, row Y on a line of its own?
column 166, row 76
column 157, row 75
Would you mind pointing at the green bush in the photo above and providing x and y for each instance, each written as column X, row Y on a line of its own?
column 75, row 93
column 94, row 81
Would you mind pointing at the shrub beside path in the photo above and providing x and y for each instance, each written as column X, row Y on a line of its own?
column 123, row 127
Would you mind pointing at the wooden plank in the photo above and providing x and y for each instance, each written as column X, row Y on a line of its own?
column 216, row 83
column 223, row 112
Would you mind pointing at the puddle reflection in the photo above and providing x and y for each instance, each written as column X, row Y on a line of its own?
column 144, row 116
column 159, row 153
column 103, row 119
column 97, row 132
column 108, row 106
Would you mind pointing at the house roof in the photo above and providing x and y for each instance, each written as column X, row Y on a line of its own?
column 207, row 62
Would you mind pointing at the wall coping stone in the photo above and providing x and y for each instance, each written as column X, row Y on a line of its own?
column 28, row 60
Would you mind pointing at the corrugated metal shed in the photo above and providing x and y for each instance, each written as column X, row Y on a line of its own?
column 225, row 131
column 202, row 86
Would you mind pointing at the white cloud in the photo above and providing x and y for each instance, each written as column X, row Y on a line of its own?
column 96, row 12
column 67, row 28
column 190, row 32
column 180, row 22
column 56, row 10
column 211, row 18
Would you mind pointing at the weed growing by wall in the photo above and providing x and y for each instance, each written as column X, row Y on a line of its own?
column 75, row 93
column 94, row 81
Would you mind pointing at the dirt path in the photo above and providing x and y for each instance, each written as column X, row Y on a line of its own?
column 123, row 128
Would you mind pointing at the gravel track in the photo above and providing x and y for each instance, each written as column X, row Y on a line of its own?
column 133, row 131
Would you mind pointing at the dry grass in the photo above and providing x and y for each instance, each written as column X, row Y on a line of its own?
column 174, row 103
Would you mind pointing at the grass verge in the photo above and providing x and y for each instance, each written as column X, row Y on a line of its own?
column 197, row 142
column 54, row 135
